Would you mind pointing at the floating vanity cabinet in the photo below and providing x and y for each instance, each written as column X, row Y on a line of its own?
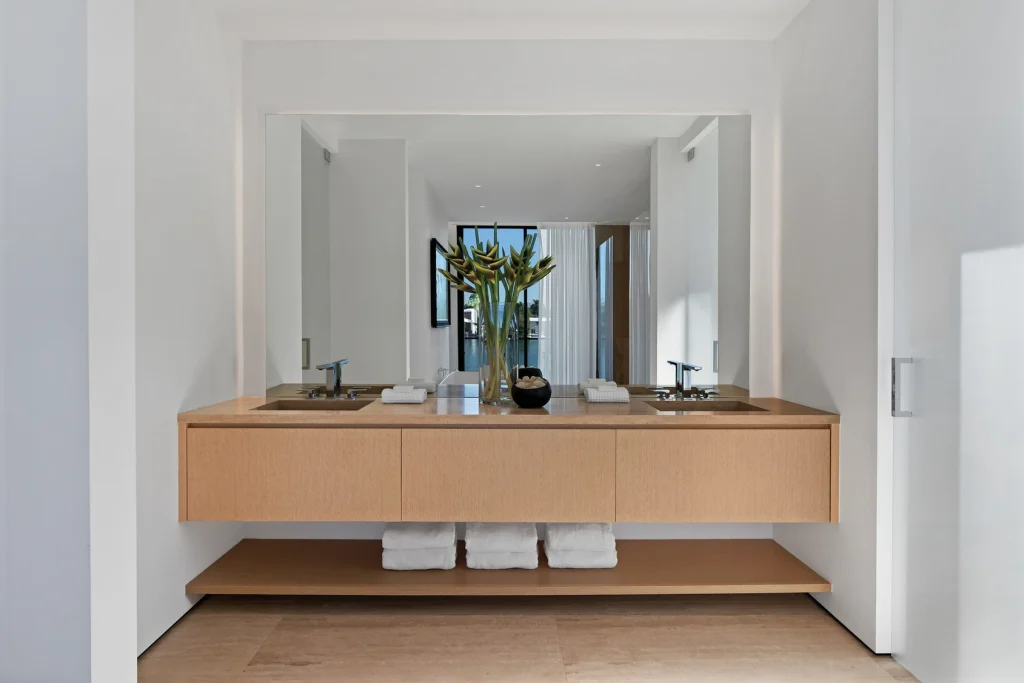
column 457, row 460
column 508, row 475
column 724, row 475
column 291, row 474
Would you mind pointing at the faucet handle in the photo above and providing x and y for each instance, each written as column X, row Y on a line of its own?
column 683, row 374
column 333, row 364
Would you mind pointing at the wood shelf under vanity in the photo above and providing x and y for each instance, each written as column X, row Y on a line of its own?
column 353, row 567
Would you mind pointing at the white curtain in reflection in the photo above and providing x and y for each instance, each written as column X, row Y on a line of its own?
column 567, row 349
column 639, row 302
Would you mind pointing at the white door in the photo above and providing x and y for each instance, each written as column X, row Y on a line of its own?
column 959, row 460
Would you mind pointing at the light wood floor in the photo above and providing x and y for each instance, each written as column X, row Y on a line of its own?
column 784, row 639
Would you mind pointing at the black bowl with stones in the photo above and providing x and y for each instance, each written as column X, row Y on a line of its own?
column 531, row 398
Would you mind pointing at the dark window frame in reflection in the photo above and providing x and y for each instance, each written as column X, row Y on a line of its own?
column 469, row 348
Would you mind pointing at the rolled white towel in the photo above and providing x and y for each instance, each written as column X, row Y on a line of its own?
column 502, row 560
column 489, row 537
column 403, row 388
column 608, row 386
column 581, row 559
column 616, row 395
column 418, row 535
column 589, row 537
column 418, row 559
column 419, row 383
column 412, row 396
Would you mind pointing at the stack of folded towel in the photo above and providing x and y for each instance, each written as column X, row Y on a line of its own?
column 609, row 392
column 580, row 546
column 420, row 383
column 419, row 545
column 501, row 546
column 403, row 393
column 592, row 383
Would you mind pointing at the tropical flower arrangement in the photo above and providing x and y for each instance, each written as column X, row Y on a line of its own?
column 495, row 277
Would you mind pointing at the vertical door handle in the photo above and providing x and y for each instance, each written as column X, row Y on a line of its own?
column 898, row 379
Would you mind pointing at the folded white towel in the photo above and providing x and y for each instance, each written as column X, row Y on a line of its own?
column 581, row 559
column 413, row 396
column 423, row 558
column 418, row 535
column 488, row 537
column 617, row 395
column 419, row 383
column 591, row 383
column 403, row 388
column 502, row 560
column 589, row 537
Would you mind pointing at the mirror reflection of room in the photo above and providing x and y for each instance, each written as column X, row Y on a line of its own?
column 645, row 217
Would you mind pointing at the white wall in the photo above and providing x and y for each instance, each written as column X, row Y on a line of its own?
column 991, row 471
column 429, row 346
column 669, row 286
column 316, row 256
column 44, row 282
column 959, row 172
column 827, row 185
column 369, row 254
column 112, row 399
column 284, row 249
column 699, row 257
column 522, row 77
column 684, row 232
column 185, row 284
column 734, row 250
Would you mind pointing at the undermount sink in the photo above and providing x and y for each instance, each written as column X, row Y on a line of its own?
column 710, row 406
column 316, row 404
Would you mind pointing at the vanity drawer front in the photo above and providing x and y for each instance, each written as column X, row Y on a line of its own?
column 723, row 475
column 508, row 475
column 253, row 474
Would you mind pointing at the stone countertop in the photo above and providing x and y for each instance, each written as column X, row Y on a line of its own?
column 447, row 409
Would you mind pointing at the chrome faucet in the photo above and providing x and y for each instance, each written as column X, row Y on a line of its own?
column 684, row 386
column 333, row 377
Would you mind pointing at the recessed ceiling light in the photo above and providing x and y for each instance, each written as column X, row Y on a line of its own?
column 478, row 186
column 566, row 218
column 482, row 206
column 597, row 164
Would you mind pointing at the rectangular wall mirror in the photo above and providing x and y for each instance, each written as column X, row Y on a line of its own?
column 647, row 219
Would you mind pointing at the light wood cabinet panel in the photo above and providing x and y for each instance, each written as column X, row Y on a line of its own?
column 253, row 474
column 508, row 475
column 724, row 475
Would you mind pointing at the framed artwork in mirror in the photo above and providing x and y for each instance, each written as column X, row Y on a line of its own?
column 440, row 293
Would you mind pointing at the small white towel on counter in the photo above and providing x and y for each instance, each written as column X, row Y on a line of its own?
column 581, row 559
column 417, row 559
column 502, row 560
column 489, row 537
column 418, row 535
column 419, row 383
column 602, row 395
column 588, row 537
column 412, row 395
column 593, row 383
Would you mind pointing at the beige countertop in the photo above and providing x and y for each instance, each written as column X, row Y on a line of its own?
column 452, row 410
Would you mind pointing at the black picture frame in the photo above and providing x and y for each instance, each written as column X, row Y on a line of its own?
column 440, row 291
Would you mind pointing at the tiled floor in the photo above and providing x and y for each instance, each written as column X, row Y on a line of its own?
column 784, row 639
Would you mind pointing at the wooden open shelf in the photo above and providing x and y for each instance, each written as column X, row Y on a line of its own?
column 330, row 567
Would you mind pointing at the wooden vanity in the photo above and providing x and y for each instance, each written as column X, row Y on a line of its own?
column 452, row 459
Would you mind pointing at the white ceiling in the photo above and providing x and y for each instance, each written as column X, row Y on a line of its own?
column 508, row 19
column 530, row 168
